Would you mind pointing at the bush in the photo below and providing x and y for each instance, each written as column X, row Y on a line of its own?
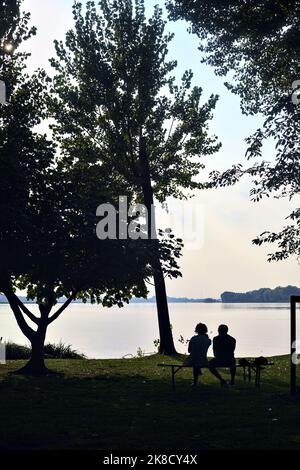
column 15, row 351
column 61, row 351
column 52, row 351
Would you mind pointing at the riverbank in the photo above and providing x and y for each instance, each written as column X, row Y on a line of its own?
column 128, row 404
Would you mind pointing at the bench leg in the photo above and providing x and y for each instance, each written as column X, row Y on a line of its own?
column 173, row 378
column 257, row 376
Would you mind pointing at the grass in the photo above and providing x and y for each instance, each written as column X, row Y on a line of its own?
column 129, row 404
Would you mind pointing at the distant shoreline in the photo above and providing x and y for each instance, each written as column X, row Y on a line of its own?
column 174, row 301
column 259, row 296
column 151, row 300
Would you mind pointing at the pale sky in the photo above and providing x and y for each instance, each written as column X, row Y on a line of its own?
column 224, row 257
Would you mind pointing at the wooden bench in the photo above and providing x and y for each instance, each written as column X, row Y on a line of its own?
column 247, row 370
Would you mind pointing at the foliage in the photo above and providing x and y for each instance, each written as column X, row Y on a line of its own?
column 279, row 294
column 17, row 351
column 52, row 351
column 140, row 352
column 48, row 201
column 156, row 343
column 113, row 85
column 117, row 104
column 13, row 27
column 48, row 215
column 183, row 340
column 23, row 153
column 61, row 351
column 259, row 41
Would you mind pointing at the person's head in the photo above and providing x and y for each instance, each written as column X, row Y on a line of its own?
column 223, row 330
column 201, row 329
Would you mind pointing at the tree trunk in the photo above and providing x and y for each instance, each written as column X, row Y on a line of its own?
column 36, row 364
column 166, row 343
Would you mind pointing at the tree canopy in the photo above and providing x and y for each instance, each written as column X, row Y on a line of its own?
column 259, row 42
column 48, row 243
column 117, row 103
column 114, row 66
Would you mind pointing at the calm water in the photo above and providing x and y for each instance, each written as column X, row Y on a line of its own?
column 260, row 329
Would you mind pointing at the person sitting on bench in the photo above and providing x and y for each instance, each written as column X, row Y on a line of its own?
column 198, row 346
column 223, row 347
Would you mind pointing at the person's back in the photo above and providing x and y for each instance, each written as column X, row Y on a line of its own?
column 224, row 346
column 198, row 347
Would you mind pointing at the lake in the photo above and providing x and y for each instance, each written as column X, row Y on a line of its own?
column 260, row 329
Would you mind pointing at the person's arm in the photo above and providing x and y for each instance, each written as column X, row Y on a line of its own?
column 214, row 347
column 233, row 345
column 190, row 345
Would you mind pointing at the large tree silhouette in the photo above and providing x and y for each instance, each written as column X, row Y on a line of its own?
column 48, row 243
column 117, row 102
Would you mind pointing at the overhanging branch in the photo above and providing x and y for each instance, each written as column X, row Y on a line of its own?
column 62, row 308
column 27, row 312
column 14, row 304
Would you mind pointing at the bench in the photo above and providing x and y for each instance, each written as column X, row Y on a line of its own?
column 247, row 370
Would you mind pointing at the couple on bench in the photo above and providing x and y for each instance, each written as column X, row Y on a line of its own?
column 223, row 348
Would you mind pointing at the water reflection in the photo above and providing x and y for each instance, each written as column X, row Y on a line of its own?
column 260, row 329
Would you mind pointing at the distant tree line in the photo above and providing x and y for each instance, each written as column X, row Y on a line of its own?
column 279, row 294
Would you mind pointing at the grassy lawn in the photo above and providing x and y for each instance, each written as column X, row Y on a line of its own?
column 129, row 404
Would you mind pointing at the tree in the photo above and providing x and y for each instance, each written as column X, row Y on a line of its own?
column 10, row 16
column 117, row 102
column 259, row 40
column 48, row 244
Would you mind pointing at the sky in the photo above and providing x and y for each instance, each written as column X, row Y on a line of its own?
column 219, row 224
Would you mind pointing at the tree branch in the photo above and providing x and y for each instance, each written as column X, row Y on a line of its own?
column 14, row 304
column 62, row 308
column 27, row 312
column 133, row 166
column 170, row 130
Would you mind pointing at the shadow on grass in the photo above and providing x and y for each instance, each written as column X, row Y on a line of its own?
column 129, row 404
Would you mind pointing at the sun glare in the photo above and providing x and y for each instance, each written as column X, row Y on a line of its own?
column 8, row 47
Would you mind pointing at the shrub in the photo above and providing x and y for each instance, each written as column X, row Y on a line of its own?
column 16, row 351
column 52, row 351
column 61, row 351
